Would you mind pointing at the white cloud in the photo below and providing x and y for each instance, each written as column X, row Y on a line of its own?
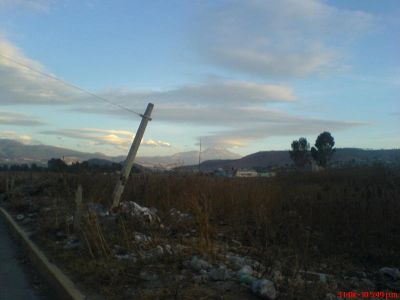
column 239, row 137
column 17, row 119
column 20, row 85
column 35, row 5
column 119, row 139
column 276, row 38
column 11, row 135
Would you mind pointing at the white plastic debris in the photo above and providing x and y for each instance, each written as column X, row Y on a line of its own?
column 135, row 210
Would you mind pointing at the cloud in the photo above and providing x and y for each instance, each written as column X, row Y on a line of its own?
column 120, row 139
column 287, row 38
column 17, row 119
column 215, row 92
column 35, row 5
column 242, row 136
column 21, row 85
column 11, row 135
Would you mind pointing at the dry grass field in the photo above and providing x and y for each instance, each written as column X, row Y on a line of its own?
column 340, row 222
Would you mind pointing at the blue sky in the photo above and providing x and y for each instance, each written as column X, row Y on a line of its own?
column 246, row 75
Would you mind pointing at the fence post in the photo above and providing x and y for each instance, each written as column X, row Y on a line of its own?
column 78, row 209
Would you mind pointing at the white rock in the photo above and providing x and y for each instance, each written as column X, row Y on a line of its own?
column 392, row 273
column 220, row 273
column 264, row 288
column 199, row 264
column 245, row 270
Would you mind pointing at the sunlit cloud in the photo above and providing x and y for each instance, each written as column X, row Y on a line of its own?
column 119, row 139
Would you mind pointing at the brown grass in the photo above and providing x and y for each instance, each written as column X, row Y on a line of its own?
column 345, row 218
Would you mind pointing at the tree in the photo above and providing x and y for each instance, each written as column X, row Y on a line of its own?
column 56, row 164
column 323, row 150
column 300, row 153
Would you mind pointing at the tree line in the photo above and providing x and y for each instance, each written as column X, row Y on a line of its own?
column 302, row 155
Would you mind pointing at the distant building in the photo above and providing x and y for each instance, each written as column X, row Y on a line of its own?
column 267, row 174
column 220, row 172
column 246, row 173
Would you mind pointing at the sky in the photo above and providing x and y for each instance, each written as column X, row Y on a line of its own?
column 243, row 75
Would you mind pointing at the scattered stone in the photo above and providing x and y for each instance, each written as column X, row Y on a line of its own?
column 278, row 276
column 71, row 243
column 245, row 270
column 202, row 278
column 366, row 284
column 315, row 276
column 135, row 210
column 146, row 276
column 140, row 237
column 153, row 253
column 390, row 273
column 330, row 296
column 26, row 221
column 264, row 288
column 126, row 257
column 198, row 264
column 220, row 273
column 237, row 261
column 178, row 215
column 168, row 249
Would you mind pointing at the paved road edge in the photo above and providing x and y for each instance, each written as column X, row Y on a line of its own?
column 51, row 272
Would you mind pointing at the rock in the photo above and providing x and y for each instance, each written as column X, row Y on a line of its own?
column 140, row 237
column 366, row 284
column 155, row 252
column 245, row 270
column 315, row 276
column 72, row 242
column 220, row 273
column 178, row 215
column 97, row 209
column 237, row 261
column 26, row 221
column 202, row 278
column 20, row 217
column 144, row 213
column 390, row 273
column 330, row 296
column 264, row 288
column 148, row 276
column 126, row 257
column 247, row 279
column 278, row 276
column 168, row 249
column 198, row 264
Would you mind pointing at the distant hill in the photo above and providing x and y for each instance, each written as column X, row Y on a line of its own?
column 264, row 159
column 14, row 152
column 187, row 158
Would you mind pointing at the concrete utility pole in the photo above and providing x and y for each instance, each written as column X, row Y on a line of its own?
column 126, row 170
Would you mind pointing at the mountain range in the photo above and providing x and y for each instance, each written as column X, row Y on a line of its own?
column 266, row 159
column 14, row 152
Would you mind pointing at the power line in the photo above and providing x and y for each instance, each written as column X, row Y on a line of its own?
column 16, row 61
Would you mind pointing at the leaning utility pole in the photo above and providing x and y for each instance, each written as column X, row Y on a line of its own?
column 126, row 170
